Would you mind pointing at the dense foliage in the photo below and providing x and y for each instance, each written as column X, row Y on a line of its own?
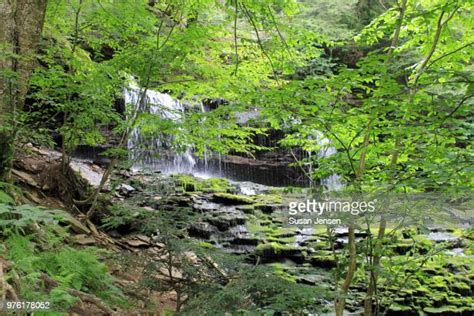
column 388, row 84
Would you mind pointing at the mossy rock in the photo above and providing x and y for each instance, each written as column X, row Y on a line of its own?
column 192, row 184
column 396, row 308
column 445, row 310
column 284, row 234
column 319, row 245
column 273, row 251
column 438, row 282
column 461, row 288
column 268, row 208
column 282, row 240
column 432, row 271
column 268, row 198
column 231, row 199
column 469, row 234
column 401, row 248
column 247, row 209
column 324, row 259
column 216, row 185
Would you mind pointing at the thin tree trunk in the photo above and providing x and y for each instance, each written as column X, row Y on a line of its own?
column 21, row 24
column 375, row 256
column 375, row 262
column 341, row 299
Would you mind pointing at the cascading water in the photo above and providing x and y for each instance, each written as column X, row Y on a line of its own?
column 333, row 182
column 156, row 153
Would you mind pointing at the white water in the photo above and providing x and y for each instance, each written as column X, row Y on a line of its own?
column 334, row 181
column 156, row 153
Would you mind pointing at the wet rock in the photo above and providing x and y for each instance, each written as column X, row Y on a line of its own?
column 247, row 209
column 250, row 188
column 323, row 261
column 177, row 200
column 274, row 252
column 202, row 230
column 125, row 189
column 439, row 236
column 204, row 206
column 311, row 279
column 268, row 208
column 225, row 222
column 248, row 241
column 344, row 232
column 287, row 234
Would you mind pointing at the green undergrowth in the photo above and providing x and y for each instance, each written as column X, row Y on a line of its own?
column 44, row 267
column 127, row 217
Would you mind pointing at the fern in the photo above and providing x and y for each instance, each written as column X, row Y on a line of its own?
column 70, row 268
column 5, row 198
column 23, row 215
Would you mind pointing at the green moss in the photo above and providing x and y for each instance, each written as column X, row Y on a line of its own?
column 319, row 245
column 206, row 245
column 438, row 282
column 254, row 227
column 268, row 198
column 400, row 308
column 275, row 248
column 281, row 271
column 443, row 310
column 276, row 231
column 323, row 259
column 282, row 240
column 216, row 185
column 192, row 184
column 233, row 198
column 273, row 245
column 247, row 209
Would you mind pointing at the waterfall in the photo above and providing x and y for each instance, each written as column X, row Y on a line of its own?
column 334, row 181
column 156, row 153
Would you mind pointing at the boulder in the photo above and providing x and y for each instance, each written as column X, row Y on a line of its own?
column 91, row 174
column 125, row 189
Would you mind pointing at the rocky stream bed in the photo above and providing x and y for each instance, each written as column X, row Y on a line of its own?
column 245, row 219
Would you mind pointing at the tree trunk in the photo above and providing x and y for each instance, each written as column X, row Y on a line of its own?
column 373, row 274
column 21, row 23
column 341, row 299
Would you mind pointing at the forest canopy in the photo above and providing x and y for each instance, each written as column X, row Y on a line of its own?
column 364, row 97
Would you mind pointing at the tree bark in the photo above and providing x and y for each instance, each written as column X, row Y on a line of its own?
column 21, row 23
column 340, row 302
